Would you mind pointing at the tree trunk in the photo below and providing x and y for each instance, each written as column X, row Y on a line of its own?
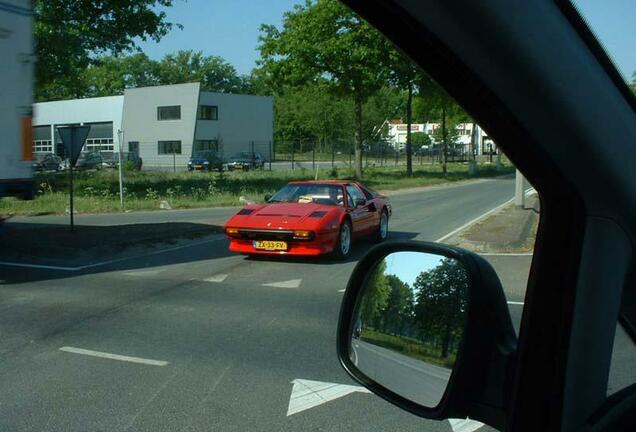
column 409, row 120
column 444, row 142
column 446, row 341
column 358, row 137
column 472, row 164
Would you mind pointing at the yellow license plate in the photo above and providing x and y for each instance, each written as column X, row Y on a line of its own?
column 270, row 245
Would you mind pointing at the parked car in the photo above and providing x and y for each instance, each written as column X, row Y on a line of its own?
column 206, row 160
column 310, row 218
column 246, row 161
column 47, row 162
column 93, row 160
column 111, row 159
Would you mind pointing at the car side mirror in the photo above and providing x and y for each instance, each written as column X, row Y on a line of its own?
column 359, row 202
column 426, row 327
column 268, row 197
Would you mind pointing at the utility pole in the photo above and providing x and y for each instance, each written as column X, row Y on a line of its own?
column 520, row 194
column 120, row 136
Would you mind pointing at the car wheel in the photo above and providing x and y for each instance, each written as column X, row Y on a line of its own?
column 343, row 245
column 383, row 227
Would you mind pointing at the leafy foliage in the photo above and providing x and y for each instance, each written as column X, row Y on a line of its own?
column 71, row 34
column 326, row 40
column 441, row 302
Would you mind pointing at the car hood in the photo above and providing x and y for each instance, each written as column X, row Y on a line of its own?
column 281, row 216
column 241, row 160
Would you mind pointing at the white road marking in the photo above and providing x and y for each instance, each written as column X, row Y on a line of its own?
column 342, row 290
column 102, row 263
column 216, row 278
column 479, row 218
column 113, row 356
column 464, row 425
column 515, row 303
column 507, row 254
column 307, row 394
column 293, row 283
column 143, row 273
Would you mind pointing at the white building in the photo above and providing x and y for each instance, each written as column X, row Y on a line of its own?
column 397, row 131
column 165, row 125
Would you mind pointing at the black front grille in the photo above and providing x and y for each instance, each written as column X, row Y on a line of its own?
column 250, row 234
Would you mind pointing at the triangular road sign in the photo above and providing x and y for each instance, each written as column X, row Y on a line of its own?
column 73, row 138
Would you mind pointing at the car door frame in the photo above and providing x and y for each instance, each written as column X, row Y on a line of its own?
column 559, row 377
column 361, row 216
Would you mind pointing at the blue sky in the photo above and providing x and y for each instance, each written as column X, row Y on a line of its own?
column 408, row 265
column 229, row 28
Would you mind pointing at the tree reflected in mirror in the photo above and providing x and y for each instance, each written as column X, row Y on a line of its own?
column 410, row 324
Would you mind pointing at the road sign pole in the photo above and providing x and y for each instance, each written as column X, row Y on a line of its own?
column 73, row 138
column 70, row 194
column 120, row 135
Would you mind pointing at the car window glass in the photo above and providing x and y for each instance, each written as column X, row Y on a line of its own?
column 353, row 194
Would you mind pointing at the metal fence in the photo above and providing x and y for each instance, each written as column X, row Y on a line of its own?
column 291, row 154
column 298, row 154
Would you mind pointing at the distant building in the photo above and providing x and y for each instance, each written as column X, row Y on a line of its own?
column 397, row 131
column 165, row 125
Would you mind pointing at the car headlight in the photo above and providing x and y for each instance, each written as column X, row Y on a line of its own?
column 206, row 163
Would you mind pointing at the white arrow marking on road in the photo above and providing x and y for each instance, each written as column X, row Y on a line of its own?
column 464, row 425
column 308, row 394
column 143, row 272
column 294, row 283
column 216, row 278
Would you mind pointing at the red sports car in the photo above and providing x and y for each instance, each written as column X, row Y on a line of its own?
column 310, row 218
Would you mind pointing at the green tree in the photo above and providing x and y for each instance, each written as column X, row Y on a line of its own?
column 214, row 73
column 632, row 85
column 376, row 295
column 398, row 313
column 71, row 34
column 405, row 75
column 324, row 39
column 441, row 302
column 112, row 75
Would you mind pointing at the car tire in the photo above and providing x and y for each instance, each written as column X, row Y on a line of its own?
column 343, row 244
column 383, row 227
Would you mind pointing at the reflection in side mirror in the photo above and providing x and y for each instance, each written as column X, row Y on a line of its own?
column 360, row 202
column 409, row 324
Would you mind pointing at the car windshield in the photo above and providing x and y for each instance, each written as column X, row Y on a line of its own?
column 309, row 193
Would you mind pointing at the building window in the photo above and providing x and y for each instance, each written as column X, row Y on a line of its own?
column 169, row 147
column 133, row 147
column 42, row 146
column 99, row 145
column 169, row 112
column 208, row 112
column 202, row 145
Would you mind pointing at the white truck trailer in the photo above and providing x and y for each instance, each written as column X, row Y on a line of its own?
column 17, row 60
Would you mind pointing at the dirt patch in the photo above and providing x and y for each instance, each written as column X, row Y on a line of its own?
column 31, row 240
column 510, row 230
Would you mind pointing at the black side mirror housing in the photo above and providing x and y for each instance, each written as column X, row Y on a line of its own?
column 478, row 383
column 268, row 197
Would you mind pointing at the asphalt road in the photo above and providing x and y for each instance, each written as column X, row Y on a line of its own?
column 416, row 380
column 210, row 341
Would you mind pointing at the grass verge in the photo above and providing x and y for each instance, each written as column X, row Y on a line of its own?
column 408, row 347
column 98, row 191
